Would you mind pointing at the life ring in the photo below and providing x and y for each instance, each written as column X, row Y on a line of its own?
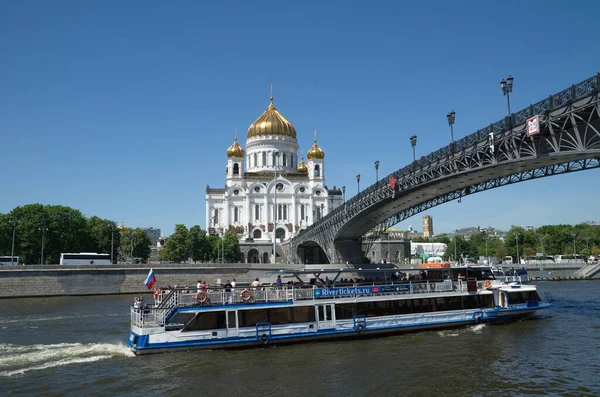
column 246, row 295
column 360, row 328
column 264, row 338
column 201, row 296
column 487, row 284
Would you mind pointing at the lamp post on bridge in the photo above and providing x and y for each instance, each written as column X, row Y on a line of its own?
column 451, row 116
column 506, row 90
column 358, row 182
column 344, row 193
column 413, row 143
column 376, row 170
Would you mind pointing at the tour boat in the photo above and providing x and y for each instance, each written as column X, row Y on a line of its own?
column 323, row 308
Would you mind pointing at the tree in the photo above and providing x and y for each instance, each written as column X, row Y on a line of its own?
column 101, row 233
column 231, row 243
column 135, row 243
column 176, row 248
column 198, row 244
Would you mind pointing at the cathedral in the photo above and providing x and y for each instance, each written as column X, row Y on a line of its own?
column 269, row 192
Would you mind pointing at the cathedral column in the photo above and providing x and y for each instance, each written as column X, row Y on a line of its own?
column 294, row 215
column 247, row 209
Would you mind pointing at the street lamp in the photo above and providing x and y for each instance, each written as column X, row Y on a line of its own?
column 574, row 239
column 506, row 90
column 43, row 230
column 413, row 142
column 275, row 156
column 358, row 182
column 451, row 116
column 455, row 256
column 12, row 252
column 344, row 193
column 131, row 240
column 517, row 240
column 112, row 240
column 376, row 170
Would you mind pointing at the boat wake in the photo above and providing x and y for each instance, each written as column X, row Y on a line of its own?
column 456, row 332
column 19, row 359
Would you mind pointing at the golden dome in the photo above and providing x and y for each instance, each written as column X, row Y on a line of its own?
column 271, row 122
column 302, row 168
column 235, row 150
column 315, row 152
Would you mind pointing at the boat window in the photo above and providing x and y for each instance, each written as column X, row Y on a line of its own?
column 454, row 303
column 249, row 318
column 522, row 297
column 438, row 304
column 207, row 320
column 304, row 314
column 181, row 318
column 281, row 316
column 344, row 311
column 470, row 302
column 486, row 301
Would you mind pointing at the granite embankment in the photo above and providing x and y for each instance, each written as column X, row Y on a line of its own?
column 36, row 281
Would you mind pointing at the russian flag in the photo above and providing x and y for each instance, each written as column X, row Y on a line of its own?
column 150, row 280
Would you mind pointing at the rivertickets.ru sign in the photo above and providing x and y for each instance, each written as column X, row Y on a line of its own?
column 354, row 291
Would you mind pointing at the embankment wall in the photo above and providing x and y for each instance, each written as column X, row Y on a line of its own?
column 35, row 281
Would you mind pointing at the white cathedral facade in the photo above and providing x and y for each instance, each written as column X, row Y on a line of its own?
column 268, row 192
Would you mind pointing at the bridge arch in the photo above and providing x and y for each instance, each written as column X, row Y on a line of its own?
column 506, row 152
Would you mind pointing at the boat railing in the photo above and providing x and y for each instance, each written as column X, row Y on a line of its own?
column 266, row 294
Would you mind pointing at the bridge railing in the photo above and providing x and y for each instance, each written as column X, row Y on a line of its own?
column 575, row 92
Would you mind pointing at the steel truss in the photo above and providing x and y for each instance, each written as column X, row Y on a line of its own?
column 569, row 141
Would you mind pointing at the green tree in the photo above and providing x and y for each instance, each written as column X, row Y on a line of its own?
column 177, row 247
column 198, row 244
column 231, row 243
column 136, row 242
column 101, row 233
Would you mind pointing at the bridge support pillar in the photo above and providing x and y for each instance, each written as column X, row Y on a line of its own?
column 348, row 251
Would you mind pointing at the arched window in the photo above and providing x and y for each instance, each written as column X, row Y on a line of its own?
column 284, row 160
column 280, row 233
column 236, row 213
column 294, row 165
column 264, row 159
column 274, row 158
column 216, row 216
column 255, row 159
column 257, row 212
column 257, row 234
column 236, row 169
column 301, row 212
column 317, row 170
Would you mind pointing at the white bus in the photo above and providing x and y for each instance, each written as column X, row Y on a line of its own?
column 84, row 258
column 7, row 260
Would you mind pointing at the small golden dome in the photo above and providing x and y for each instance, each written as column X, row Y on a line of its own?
column 315, row 152
column 302, row 168
column 271, row 122
column 235, row 150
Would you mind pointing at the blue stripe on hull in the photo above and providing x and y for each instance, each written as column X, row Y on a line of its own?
column 233, row 343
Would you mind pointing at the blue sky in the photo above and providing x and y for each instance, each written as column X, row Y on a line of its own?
column 125, row 109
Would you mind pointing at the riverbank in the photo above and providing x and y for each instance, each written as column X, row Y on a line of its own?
column 39, row 281
column 42, row 281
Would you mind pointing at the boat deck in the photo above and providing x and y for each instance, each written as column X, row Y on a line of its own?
column 167, row 301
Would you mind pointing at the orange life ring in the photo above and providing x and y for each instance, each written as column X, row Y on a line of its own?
column 246, row 295
column 201, row 296
column 487, row 284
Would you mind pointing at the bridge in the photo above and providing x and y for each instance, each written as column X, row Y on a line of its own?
column 557, row 135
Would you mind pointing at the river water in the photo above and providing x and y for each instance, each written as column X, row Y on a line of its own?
column 74, row 346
